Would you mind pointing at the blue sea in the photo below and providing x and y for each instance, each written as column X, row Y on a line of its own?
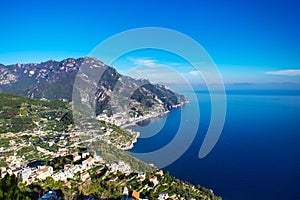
column 257, row 155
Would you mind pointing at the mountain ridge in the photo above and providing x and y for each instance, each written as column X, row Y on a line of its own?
column 55, row 80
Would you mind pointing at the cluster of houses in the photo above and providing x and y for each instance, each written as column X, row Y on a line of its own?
column 134, row 195
column 32, row 174
column 14, row 161
column 120, row 167
column 60, row 140
column 121, row 118
column 117, row 118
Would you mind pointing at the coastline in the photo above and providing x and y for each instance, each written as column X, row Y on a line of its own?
column 126, row 123
column 137, row 134
column 134, row 123
column 133, row 141
column 153, row 116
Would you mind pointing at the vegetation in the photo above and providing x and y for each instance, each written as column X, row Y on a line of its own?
column 108, row 186
column 111, row 154
column 118, row 135
column 19, row 114
column 9, row 188
column 59, row 162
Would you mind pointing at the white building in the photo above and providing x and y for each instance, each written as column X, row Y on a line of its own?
column 154, row 180
column 69, row 174
column 85, row 154
column 125, row 191
column 141, row 176
column 60, row 176
column 121, row 167
column 84, row 176
column 26, row 175
column 163, row 196
column 3, row 171
column 44, row 171
column 76, row 168
column 88, row 163
column 76, row 156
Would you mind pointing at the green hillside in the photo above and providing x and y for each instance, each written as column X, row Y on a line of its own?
column 20, row 114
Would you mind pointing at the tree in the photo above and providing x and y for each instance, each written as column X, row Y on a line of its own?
column 9, row 188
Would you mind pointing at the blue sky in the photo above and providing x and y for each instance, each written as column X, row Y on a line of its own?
column 250, row 41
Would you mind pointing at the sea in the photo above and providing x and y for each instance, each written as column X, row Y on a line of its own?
column 257, row 155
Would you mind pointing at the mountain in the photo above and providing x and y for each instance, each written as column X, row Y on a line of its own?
column 101, row 87
column 32, row 128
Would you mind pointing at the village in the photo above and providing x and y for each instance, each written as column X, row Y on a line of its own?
column 41, row 157
column 86, row 167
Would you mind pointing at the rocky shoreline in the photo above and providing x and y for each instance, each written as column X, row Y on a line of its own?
column 146, row 117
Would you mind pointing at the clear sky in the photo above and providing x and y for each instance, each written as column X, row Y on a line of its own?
column 253, row 41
